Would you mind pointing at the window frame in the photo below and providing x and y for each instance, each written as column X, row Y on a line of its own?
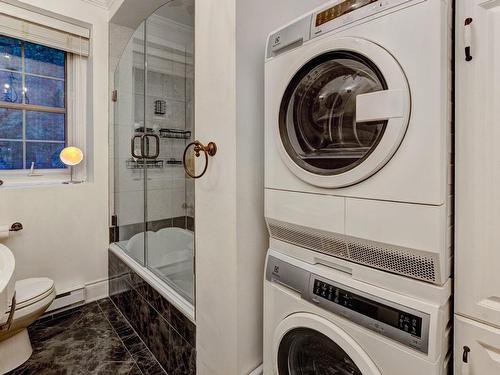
column 51, row 172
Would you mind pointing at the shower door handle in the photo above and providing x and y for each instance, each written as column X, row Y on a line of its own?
column 132, row 147
column 144, row 152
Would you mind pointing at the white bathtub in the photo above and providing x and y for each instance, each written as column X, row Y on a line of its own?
column 168, row 268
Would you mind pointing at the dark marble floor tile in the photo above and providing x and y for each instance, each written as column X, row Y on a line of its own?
column 30, row 368
column 111, row 368
column 115, row 318
column 135, row 371
column 142, row 356
column 76, row 341
column 83, row 341
column 133, row 342
column 147, row 363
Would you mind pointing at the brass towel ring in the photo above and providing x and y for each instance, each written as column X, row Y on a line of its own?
column 209, row 150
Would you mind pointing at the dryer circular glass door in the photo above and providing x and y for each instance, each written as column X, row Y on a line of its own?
column 308, row 344
column 344, row 113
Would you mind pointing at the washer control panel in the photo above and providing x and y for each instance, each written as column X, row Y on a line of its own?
column 375, row 315
column 400, row 323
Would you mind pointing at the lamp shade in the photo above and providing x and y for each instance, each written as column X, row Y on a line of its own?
column 71, row 156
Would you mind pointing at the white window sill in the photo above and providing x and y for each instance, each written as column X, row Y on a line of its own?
column 21, row 182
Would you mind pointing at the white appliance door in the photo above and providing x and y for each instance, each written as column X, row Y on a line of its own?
column 477, row 254
column 477, row 348
column 308, row 344
column 343, row 112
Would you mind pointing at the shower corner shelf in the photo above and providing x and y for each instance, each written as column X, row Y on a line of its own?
column 139, row 164
column 175, row 133
column 173, row 161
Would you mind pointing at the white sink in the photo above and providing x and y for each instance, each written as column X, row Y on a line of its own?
column 7, row 281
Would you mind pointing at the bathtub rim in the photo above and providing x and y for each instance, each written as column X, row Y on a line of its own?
column 156, row 283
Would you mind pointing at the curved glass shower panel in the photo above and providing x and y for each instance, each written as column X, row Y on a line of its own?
column 129, row 170
column 169, row 119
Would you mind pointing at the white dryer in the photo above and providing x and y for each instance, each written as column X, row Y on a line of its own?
column 320, row 321
column 358, row 134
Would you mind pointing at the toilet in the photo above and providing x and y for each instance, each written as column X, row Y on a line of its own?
column 33, row 297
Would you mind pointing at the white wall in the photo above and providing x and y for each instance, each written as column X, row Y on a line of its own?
column 215, row 193
column 65, row 234
column 231, row 236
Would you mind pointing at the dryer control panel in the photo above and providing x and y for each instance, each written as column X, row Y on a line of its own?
column 338, row 15
column 349, row 11
column 388, row 318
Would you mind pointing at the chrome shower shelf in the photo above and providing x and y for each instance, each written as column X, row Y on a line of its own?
column 174, row 162
column 150, row 164
column 175, row 133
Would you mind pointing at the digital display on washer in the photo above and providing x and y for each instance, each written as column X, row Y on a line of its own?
column 396, row 318
column 341, row 9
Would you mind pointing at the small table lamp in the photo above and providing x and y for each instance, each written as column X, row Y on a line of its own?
column 71, row 156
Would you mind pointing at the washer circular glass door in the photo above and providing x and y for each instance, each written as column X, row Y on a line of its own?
column 344, row 113
column 308, row 344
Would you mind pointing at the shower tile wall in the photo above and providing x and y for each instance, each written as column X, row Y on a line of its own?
column 169, row 194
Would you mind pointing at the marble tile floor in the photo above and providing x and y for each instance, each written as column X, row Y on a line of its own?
column 91, row 339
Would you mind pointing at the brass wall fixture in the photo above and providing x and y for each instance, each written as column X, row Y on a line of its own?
column 16, row 227
column 209, row 150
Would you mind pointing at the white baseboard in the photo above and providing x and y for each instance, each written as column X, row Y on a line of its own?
column 96, row 290
column 66, row 299
column 88, row 293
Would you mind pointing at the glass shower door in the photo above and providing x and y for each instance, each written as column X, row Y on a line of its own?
column 129, row 168
column 169, row 209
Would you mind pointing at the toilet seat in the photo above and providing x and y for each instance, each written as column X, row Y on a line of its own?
column 33, row 295
column 31, row 291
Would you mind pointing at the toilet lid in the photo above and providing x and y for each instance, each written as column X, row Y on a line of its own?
column 29, row 291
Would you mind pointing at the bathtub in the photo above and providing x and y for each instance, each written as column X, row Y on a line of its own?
column 169, row 267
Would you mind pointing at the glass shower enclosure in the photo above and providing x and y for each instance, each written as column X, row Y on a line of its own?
column 153, row 123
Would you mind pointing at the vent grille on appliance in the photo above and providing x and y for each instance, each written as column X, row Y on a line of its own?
column 313, row 239
column 401, row 260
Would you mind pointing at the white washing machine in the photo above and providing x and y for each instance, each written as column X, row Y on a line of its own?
column 358, row 134
column 318, row 320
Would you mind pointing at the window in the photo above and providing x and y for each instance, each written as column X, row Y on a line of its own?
column 44, row 95
column 32, row 105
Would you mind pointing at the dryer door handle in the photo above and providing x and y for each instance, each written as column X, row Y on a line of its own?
column 381, row 105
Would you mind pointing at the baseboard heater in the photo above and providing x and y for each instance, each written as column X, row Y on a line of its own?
column 67, row 299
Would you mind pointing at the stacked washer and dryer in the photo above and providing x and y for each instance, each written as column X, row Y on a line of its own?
column 358, row 190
